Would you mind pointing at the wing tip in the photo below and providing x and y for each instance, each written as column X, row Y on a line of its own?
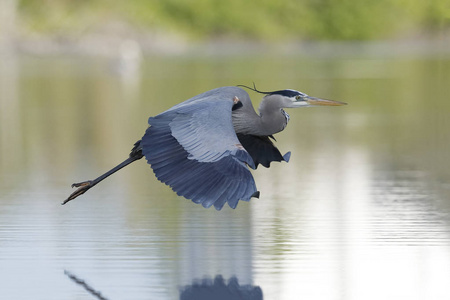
column 205, row 204
column 255, row 195
column 218, row 207
column 287, row 156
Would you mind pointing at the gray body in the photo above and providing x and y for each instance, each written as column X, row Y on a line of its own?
column 205, row 129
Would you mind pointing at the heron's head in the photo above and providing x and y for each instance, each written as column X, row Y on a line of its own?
column 292, row 98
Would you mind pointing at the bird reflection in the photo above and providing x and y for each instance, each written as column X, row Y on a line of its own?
column 218, row 289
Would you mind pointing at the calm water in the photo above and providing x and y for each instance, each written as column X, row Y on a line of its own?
column 362, row 210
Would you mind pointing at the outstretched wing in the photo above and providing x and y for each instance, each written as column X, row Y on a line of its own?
column 193, row 148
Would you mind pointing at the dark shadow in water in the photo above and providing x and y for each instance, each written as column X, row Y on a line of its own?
column 85, row 285
column 217, row 289
column 205, row 289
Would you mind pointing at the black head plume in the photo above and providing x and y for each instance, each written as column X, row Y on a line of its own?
column 286, row 93
column 254, row 89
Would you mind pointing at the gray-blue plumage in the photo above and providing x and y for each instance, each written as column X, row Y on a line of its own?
column 194, row 149
column 203, row 147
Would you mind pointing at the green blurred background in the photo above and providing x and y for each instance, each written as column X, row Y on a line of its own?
column 255, row 20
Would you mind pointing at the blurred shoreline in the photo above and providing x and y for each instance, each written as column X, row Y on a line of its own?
column 111, row 45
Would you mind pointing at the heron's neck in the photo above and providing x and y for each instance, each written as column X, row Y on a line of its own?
column 273, row 121
column 268, row 122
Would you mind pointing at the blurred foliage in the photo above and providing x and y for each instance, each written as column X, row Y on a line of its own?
column 255, row 19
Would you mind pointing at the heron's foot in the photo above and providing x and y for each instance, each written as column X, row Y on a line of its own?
column 82, row 187
column 81, row 184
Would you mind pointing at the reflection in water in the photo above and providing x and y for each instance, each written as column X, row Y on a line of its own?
column 204, row 289
column 217, row 289
column 10, row 113
column 220, row 242
column 85, row 285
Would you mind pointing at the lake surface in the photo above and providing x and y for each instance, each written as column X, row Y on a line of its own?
column 362, row 210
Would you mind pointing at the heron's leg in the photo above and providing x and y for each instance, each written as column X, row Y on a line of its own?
column 84, row 186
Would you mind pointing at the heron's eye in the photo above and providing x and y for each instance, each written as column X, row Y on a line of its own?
column 297, row 97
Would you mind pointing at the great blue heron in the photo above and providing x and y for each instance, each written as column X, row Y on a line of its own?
column 202, row 147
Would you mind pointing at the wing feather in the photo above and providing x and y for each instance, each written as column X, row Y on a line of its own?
column 262, row 150
column 193, row 148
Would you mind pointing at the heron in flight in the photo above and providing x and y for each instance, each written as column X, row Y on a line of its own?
column 203, row 147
